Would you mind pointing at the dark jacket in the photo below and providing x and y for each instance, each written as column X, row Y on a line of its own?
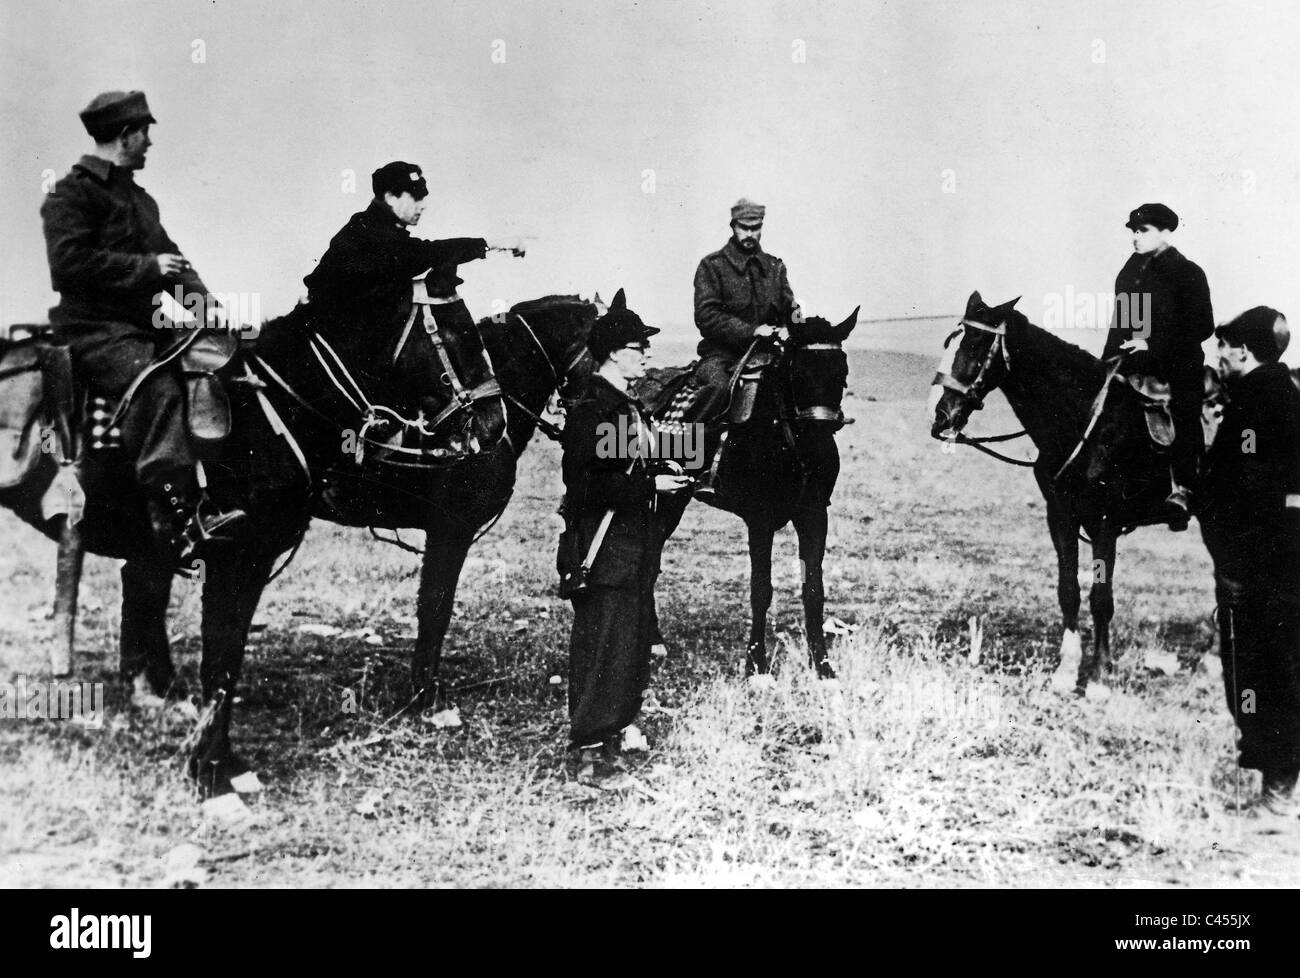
column 371, row 261
column 599, row 475
column 1254, row 465
column 102, row 237
column 1181, row 317
column 735, row 293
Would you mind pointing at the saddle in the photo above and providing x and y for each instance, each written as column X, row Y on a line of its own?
column 672, row 394
column 744, row 384
column 1154, row 396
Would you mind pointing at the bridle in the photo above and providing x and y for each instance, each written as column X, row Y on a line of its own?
column 463, row 397
column 975, row 392
column 817, row 412
column 560, row 380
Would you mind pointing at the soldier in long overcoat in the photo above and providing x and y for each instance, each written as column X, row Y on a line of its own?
column 1251, row 525
column 610, row 480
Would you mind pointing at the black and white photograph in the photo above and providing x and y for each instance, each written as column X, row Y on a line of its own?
column 623, row 445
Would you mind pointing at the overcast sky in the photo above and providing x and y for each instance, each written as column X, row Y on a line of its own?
column 908, row 152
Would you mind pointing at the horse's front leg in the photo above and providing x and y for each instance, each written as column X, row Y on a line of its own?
column 760, row 594
column 1064, row 527
column 146, row 660
column 1101, row 601
column 233, row 584
column 810, row 525
column 444, row 556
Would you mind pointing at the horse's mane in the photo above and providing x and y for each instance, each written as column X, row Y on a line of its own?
column 547, row 302
column 1042, row 346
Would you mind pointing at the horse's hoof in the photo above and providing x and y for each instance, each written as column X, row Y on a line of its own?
column 825, row 670
column 659, row 650
column 1063, row 680
column 142, row 695
column 1097, row 692
column 228, row 809
column 246, row 783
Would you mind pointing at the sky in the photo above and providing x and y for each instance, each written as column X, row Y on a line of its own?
column 908, row 152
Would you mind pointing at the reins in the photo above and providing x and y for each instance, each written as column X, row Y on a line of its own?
column 973, row 393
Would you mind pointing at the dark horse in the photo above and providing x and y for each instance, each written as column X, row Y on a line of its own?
column 310, row 437
column 1097, row 467
column 780, row 467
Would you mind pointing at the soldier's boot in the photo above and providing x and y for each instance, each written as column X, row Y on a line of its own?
column 1277, row 794
column 1178, row 508
column 184, row 519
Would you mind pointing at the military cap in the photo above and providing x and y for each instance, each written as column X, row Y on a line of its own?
column 108, row 114
column 1157, row 215
column 616, row 329
column 748, row 211
column 399, row 178
column 1261, row 330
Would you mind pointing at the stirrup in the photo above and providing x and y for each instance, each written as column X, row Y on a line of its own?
column 707, row 488
column 201, row 530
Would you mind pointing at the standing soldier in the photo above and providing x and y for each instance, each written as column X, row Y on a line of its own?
column 1251, row 526
column 741, row 293
column 109, row 258
column 608, row 544
column 1162, row 316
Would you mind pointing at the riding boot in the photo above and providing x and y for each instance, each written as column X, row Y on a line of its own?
column 1178, row 508
column 180, row 525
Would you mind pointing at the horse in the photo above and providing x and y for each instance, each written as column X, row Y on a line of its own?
column 306, row 439
column 1097, row 466
column 780, row 467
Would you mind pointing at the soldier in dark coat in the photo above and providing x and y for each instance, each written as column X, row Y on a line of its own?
column 109, row 258
column 1162, row 316
column 741, row 293
column 1251, row 526
column 607, row 470
column 366, row 272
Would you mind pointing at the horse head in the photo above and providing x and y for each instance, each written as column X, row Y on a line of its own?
column 819, row 369
column 441, row 369
column 546, row 338
column 974, row 363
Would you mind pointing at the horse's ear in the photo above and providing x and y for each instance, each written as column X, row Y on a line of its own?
column 845, row 328
column 620, row 301
column 974, row 303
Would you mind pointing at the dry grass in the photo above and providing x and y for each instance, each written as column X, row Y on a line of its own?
column 915, row 769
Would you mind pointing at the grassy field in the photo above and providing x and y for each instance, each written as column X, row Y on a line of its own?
column 921, row 767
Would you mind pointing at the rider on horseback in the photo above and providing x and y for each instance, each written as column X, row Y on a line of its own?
column 1162, row 316
column 109, row 257
column 741, row 293
column 370, row 263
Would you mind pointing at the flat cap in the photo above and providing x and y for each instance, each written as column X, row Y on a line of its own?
column 399, row 178
column 616, row 329
column 746, row 210
column 1157, row 215
column 108, row 113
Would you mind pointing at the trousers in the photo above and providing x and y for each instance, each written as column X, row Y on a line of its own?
column 109, row 356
